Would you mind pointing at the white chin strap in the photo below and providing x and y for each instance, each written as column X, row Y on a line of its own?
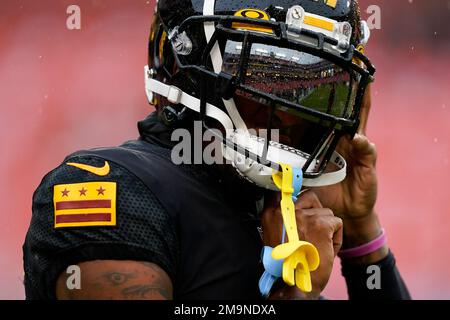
column 279, row 153
column 177, row 96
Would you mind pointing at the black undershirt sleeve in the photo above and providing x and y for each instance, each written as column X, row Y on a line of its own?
column 392, row 286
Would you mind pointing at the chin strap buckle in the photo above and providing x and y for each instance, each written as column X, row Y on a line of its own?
column 174, row 95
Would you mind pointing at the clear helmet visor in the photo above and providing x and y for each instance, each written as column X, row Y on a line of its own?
column 294, row 76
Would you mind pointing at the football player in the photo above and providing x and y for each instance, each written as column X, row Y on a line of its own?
column 138, row 226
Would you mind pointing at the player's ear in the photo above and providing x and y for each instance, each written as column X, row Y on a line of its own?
column 365, row 110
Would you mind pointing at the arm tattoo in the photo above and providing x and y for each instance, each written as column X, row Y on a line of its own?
column 155, row 287
column 119, row 280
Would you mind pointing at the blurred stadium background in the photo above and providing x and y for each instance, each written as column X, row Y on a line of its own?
column 63, row 90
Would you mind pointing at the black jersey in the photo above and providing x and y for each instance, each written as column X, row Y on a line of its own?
column 183, row 218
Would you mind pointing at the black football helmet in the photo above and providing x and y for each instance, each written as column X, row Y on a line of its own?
column 304, row 58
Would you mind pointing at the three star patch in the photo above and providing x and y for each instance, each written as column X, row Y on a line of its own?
column 87, row 204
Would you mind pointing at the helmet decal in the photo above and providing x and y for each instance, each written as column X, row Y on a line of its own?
column 252, row 14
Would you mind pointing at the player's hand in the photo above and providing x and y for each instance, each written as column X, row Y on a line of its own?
column 316, row 225
column 354, row 197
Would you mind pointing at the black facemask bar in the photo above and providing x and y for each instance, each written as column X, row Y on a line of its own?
column 337, row 126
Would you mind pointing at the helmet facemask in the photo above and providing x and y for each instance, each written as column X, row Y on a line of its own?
column 294, row 70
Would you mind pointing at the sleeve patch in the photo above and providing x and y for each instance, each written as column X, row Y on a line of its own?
column 87, row 204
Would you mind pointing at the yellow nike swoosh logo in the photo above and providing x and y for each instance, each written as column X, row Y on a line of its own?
column 102, row 171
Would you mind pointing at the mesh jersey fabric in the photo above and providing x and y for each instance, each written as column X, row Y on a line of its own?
column 185, row 219
column 144, row 230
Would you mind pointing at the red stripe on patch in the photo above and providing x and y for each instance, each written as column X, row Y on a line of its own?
column 87, row 217
column 83, row 204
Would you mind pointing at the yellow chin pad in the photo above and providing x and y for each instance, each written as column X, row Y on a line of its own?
column 300, row 257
